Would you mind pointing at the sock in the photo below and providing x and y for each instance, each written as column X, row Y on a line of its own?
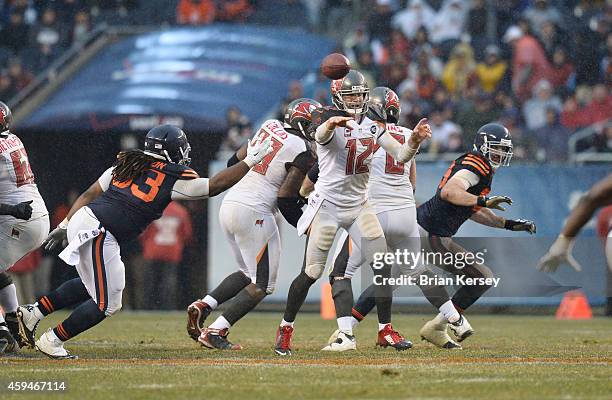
column 208, row 299
column 37, row 312
column 8, row 298
column 297, row 294
column 344, row 325
column 365, row 303
column 381, row 326
column 85, row 316
column 220, row 323
column 449, row 312
column 243, row 303
column 285, row 323
column 354, row 321
column 384, row 297
column 54, row 336
column 468, row 295
column 342, row 294
column 229, row 287
column 69, row 293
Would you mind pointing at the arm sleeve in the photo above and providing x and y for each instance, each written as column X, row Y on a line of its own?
column 291, row 208
column 233, row 160
column 105, row 179
column 400, row 152
column 467, row 177
column 193, row 189
column 313, row 173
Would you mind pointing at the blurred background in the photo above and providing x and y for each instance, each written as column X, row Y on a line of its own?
column 86, row 79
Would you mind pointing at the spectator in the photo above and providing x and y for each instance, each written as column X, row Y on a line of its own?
column 540, row 13
column 606, row 60
column 552, row 138
column 573, row 115
column 426, row 83
column 562, row 71
column 356, row 43
column 529, row 63
column 67, row 9
column 365, row 65
column 449, row 22
column 444, row 133
column 20, row 78
column 235, row 10
column 25, row 8
column 600, row 108
column 534, row 110
column 475, row 114
column 14, row 35
column 426, row 58
column 48, row 32
column 238, row 130
column 459, row 70
column 603, row 139
column 418, row 14
column 550, row 39
column 195, row 12
column 478, row 26
column 162, row 243
column 81, row 27
column 491, row 72
column 7, row 89
column 379, row 22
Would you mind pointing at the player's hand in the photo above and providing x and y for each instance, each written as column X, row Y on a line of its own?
column 22, row 210
column 520, row 225
column 421, row 132
column 559, row 253
column 257, row 151
column 57, row 237
column 335, row 122
column 493, row 202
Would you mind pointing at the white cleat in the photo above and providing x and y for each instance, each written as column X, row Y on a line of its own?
column 344, row 342
column 27, row 324
column 333, row 337
column 50, row 345
column 434, row 332
column 461, row 329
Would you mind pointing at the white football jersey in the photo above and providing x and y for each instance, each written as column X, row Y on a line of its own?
column 344, row 163
column 259, row 187
column 389, row 187
column 16, row 177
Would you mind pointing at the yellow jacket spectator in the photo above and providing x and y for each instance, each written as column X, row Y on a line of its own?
column 459, row 70
column 491, row 72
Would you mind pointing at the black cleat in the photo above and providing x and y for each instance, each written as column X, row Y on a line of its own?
column 217, row 339
column 8, row 344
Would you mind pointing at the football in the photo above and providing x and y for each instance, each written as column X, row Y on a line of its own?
column 335, row 66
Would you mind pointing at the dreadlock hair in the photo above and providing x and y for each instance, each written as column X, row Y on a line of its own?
column 130, row 164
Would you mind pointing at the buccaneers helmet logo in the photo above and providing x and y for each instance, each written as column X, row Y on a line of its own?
column 303, row 110
column 391, row 100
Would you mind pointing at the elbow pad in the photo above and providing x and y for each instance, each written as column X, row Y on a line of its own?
column 291, row 208
column 233, row 160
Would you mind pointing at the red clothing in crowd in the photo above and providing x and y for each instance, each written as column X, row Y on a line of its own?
column 528, row 53
column 599, row 110
column 559, row 75
column 195, row 12
column 165, row 238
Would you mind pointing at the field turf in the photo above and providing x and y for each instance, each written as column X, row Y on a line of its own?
column 149, row 356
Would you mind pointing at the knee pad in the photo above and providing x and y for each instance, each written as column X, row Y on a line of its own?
column 324, row 237
column 5, row 280
column 314, row 271
column 370, row 226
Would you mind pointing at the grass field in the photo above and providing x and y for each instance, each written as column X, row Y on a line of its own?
column 149, row 355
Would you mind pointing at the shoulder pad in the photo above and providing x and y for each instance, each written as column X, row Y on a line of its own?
column 179, row 171
column 275, row 127
column 475, row 163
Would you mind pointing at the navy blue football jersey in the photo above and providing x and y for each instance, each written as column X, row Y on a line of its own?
column 441, row 218
column 127, row 208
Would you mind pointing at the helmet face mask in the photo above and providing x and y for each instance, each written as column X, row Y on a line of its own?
column 351, row 93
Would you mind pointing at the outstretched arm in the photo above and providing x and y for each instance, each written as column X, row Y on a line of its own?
column 406, row 152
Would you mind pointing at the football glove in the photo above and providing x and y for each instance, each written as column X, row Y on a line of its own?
column 560, row 252
column 22, row 210
column 493, row 202
column 520, row 225
column 57, row 237
column 257, row 151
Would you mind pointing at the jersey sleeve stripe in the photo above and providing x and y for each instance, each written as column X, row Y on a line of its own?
column 478, row 161
column 467, row 162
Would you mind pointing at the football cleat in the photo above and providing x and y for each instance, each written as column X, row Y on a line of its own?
column 282, row 345
column 390, row 337
column 343, row 343
column 13, row 327
column 461, row 329
column 27, row 324
column 52, row 347
column 8, row 344
column 333, row 337
column 197, row 312
column 434, row 332
column 217, row 339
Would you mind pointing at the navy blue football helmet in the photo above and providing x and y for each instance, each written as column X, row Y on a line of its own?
column 168, row 142
column 495, row 143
